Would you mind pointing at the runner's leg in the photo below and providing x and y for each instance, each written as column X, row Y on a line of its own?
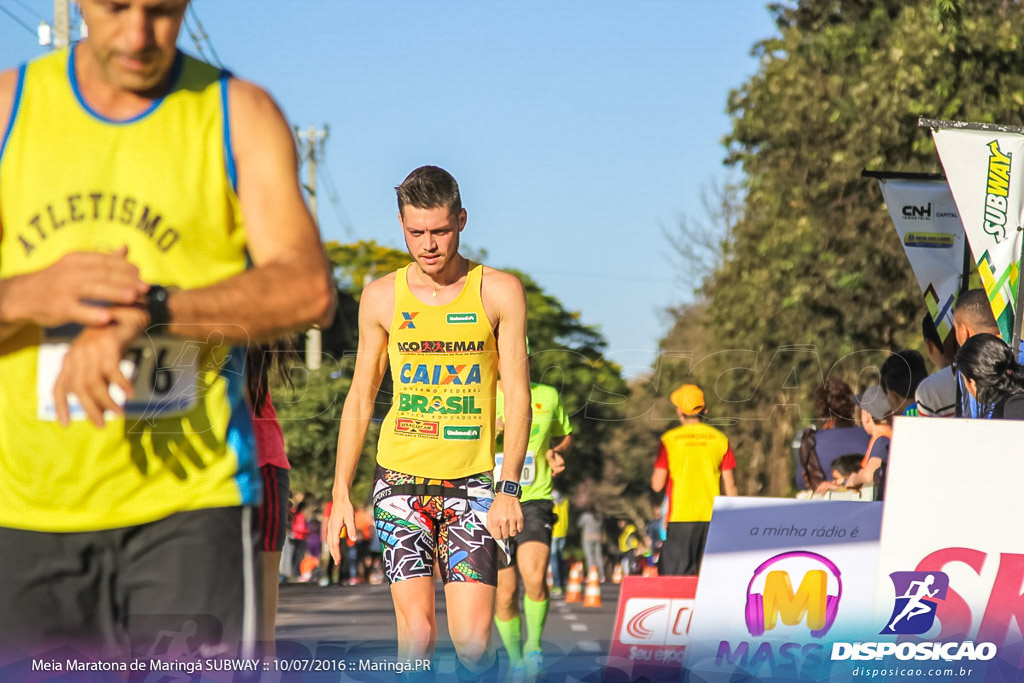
column 414, row 610
column 506, row 615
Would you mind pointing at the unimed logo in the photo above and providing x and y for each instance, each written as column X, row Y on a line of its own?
column 778, row 601
column 656, row 621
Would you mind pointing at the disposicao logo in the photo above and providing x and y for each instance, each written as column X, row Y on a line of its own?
column 913, row 613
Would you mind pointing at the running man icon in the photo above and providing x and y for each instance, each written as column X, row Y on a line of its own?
column 917, row 594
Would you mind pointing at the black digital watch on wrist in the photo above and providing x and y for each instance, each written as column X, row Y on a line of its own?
column 509, row 488
column 156, row 305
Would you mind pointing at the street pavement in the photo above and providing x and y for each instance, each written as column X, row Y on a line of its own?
column 356, row 625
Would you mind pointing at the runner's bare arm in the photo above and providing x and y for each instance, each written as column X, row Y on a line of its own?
column 659, row 479
column 289, row 286
column 556, row 454
column 729, row 483
column 375, row 306
column 65, row 291
column 503, row 294
column 505, row 302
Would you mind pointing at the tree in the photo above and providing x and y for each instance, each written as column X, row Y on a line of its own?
column 812, row 278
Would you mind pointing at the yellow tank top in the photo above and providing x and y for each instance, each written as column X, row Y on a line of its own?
column 162, row 184
column 444, row 363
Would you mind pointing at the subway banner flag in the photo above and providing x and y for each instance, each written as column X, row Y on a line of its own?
column 983, row 168
column 932, row 236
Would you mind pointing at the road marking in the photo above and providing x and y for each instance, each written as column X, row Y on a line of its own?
column 578, row 627
column 570, row 617
column 589, row 646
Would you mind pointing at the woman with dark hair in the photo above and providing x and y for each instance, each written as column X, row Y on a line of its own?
column 272, row 515
column 992, row 376
column 839, row 434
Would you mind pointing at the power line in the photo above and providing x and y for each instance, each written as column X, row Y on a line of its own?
column 28, row 9
column 195, row 39
column 335, row 200
column 18, row 21
column 204, row 35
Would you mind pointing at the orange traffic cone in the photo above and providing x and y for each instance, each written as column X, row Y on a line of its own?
column 592, row 595
column 616, row 574
column 574, row 589
column 651, row 570
column 551, row 577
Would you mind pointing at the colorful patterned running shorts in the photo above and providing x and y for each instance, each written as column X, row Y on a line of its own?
column 418, row 518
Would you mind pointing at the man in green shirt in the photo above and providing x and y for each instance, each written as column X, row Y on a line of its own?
column 532, row 546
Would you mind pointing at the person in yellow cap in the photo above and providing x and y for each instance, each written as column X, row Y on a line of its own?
column 696, row 464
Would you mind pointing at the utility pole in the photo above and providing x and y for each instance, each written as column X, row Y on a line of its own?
column 312, row 141
column 61, row 24
column 58, row 35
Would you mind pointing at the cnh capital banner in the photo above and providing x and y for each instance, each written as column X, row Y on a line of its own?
column 926, row 219
column 984, row 170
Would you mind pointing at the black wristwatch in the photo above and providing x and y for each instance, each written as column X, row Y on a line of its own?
column 509, row 488
column 156, row 305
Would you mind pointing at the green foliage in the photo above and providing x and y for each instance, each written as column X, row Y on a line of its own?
column 309, row 417
column 812, row 270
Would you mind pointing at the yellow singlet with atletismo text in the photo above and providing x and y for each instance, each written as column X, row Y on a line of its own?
column 162, row 185
column 444, row 363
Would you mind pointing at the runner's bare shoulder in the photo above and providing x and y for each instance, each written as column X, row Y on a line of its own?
column 500, row 286
column 8, row 84
column 378, row 301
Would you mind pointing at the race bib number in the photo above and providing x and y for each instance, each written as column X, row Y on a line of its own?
column 162, row 371
column 529, row 468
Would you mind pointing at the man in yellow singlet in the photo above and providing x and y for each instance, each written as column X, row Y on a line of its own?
column 446, row 326
column 151, row 226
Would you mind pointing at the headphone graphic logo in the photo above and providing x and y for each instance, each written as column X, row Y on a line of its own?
column 755, row 601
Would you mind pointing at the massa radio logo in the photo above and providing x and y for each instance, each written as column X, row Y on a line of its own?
column 777, row 601
column 408, row 425
column 917, row 597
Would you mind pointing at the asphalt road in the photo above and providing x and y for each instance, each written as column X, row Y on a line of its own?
column 356, row 625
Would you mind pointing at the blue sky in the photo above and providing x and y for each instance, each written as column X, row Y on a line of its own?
column 577, row 130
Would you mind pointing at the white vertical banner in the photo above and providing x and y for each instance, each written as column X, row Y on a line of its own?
column 984, row 172
column 952, row 528
column 932, row 235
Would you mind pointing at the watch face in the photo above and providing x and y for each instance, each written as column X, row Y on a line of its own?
column 509, row 488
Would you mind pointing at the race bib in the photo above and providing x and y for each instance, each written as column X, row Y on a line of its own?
column 162, row 371
column 529, row 468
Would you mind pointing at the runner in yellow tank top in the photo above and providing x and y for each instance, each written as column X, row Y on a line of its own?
column 445, row 326
column 126, row 461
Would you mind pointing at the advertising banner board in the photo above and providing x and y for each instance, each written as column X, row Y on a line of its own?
column 929, row 227
column 984, row 169
column 652, row 626
column 780, row 580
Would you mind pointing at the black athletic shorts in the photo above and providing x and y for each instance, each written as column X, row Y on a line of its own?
column 272, row 514
column 180, row 587
column 683, row 548
column 538, row 519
